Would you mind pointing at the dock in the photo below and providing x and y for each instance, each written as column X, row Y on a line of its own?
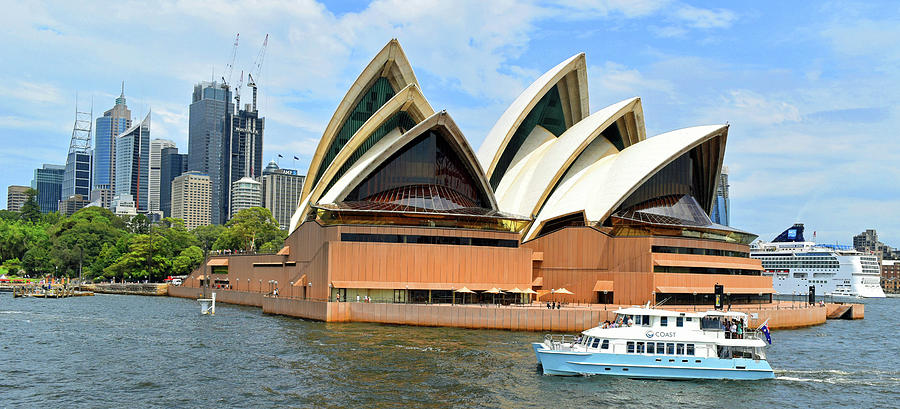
column 40, row 292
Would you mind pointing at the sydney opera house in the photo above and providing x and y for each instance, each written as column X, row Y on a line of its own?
column 398, row 208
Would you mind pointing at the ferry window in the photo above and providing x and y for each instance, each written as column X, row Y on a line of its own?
column 679, row 321
column 679, row 349
column 640, row 348
column 664, row 321
column 688, row 319
column 646, row 321
column 596, row 342
column 650, row 349
column 630, row 347
column 660, row 348
column 690, row 349
column 605, row 344
column 670, row 348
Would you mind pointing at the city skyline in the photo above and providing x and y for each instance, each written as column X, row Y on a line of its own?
column 809, row 122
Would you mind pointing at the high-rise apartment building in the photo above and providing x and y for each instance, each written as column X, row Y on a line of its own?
column 172, row 165
column 191, row 199
column 106, row 128
column 123, row 205
column 48, row 181
column 281, row 192
column 72, row 204
column 101, row 196
column 156, row 147
column 133, row 164
column 721, row 210
column 208, row 141
column 16, row 197
column 245, row 145
column 245, row 193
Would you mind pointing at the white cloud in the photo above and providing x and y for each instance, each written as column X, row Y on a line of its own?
column 705, row 18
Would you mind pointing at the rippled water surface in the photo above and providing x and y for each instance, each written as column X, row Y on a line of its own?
column 112, row 351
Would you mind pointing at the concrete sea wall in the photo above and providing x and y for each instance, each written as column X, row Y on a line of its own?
column 515, row 318
column 127, row 288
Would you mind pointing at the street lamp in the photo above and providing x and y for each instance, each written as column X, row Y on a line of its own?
column 292, row 290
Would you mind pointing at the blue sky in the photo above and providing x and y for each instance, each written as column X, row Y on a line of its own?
column 809, row 88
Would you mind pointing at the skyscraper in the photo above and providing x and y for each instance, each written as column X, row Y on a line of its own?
column 77, row 179
column 721, row 210
column 281, row 192
column 172, row 165
column 48, row 182
column 245, row 193
column 132, row 164
column 208, row 141
column 190, row 199
column 156, row 146
column 112, row 124
column 16, row 197
column 245, row 145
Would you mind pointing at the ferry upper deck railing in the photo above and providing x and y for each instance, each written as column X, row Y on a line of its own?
column 560, row 342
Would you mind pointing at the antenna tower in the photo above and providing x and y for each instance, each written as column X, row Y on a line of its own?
column 81, row 131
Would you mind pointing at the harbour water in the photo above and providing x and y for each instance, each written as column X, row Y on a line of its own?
column 114, row 351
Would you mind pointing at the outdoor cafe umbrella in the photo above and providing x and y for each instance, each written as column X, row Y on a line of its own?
column 494, row 291
column 464, row 290
column 529, row 291
column 563, row 291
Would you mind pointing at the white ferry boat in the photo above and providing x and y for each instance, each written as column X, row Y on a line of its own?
column 652, row 343
column 796, row 264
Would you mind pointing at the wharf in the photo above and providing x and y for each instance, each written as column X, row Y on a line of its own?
column 58, row 292
column 152, row 289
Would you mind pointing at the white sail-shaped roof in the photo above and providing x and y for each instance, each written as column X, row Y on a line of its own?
column 531, row 179
column 601, row 187
column 570, row 78
column 390, row 63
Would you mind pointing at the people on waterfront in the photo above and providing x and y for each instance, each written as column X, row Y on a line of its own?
column 357, row 297
column 548, row 305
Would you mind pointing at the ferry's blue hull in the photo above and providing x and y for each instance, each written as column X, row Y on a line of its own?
column 650, row 366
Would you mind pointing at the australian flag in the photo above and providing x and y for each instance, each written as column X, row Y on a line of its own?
column 765, row 331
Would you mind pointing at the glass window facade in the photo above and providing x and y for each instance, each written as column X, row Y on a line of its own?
column 548, row 113
column 420, row 239
column 401, row 121
column 426, row 173
column 375, row 97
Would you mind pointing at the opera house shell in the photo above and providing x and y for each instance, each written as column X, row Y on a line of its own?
column 397, row 207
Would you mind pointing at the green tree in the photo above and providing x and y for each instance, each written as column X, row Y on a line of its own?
column 249, row 230
column 12, row 265
column 78, row 239
column 179, row 237
column 38, row 261
column 148, row 258
column 139, row 224
column 30, row 211
column 207, row 235
column 9, row 215
column 187, row 261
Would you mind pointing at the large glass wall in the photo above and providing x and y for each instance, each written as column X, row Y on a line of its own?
column 426, row 174
column 376, row 96
column 548, row 113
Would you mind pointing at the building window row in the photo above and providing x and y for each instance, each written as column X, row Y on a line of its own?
column 419, row 239
column 698, row 251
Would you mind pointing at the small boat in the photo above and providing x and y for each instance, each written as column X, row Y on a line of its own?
column 652, row 343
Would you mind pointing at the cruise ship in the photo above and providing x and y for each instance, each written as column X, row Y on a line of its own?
column 796, row 264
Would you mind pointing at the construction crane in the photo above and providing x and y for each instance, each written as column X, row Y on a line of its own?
column 237, row 91
column 257, row 67
column 230, row 66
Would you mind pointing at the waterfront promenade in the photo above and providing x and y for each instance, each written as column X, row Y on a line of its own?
column 527, row 317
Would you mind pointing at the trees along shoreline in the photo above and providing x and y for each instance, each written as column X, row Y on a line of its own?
column 100, row 246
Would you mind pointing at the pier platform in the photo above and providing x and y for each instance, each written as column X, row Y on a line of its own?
column 127, row 288
column 526, row 317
